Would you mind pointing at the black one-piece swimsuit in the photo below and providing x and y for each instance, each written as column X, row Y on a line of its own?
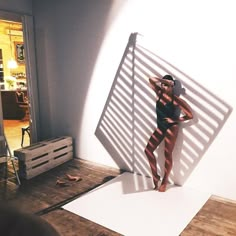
column 169, row 110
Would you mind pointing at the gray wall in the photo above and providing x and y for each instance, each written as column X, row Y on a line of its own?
column 68, row 37
column 17, row 6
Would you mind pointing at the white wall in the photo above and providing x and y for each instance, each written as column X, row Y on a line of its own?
column 79, row 48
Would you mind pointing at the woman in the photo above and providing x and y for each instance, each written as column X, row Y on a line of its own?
column 168, row 109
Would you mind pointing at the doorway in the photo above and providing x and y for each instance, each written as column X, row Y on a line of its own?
column 13, row 83
column 18, row 114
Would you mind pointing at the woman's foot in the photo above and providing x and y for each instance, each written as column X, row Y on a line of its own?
column 155, row 186
column 162, row 187
column 155, row 182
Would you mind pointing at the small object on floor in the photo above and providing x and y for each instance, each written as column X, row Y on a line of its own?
column 73, row 178
column 62, row 183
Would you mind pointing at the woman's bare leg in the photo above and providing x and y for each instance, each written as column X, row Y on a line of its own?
column 152, row 144
column 170, row 139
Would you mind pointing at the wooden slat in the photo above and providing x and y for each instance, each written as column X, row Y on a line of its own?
column 29, row 173
column 30, row 152
column 49, row 156
column 43, row 156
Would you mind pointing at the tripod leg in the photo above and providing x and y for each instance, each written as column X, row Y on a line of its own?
column 15, row 171
column 22, row 136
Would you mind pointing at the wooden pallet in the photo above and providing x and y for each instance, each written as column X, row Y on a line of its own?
column 43, row 156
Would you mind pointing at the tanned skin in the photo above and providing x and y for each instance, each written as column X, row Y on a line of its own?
column 165, row 87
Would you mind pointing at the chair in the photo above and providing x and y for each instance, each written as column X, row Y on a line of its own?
column 7, row 158
column 22, row 102
column 23, row 130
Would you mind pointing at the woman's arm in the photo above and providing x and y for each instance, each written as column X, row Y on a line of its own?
column 156, row 81
column 185, row 108
column 153, row 81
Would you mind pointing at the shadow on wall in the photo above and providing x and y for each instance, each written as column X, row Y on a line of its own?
column 68, row 41
column 129, row 118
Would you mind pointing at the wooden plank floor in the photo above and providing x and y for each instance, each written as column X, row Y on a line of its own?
column 12, row 130
column 41, row 196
